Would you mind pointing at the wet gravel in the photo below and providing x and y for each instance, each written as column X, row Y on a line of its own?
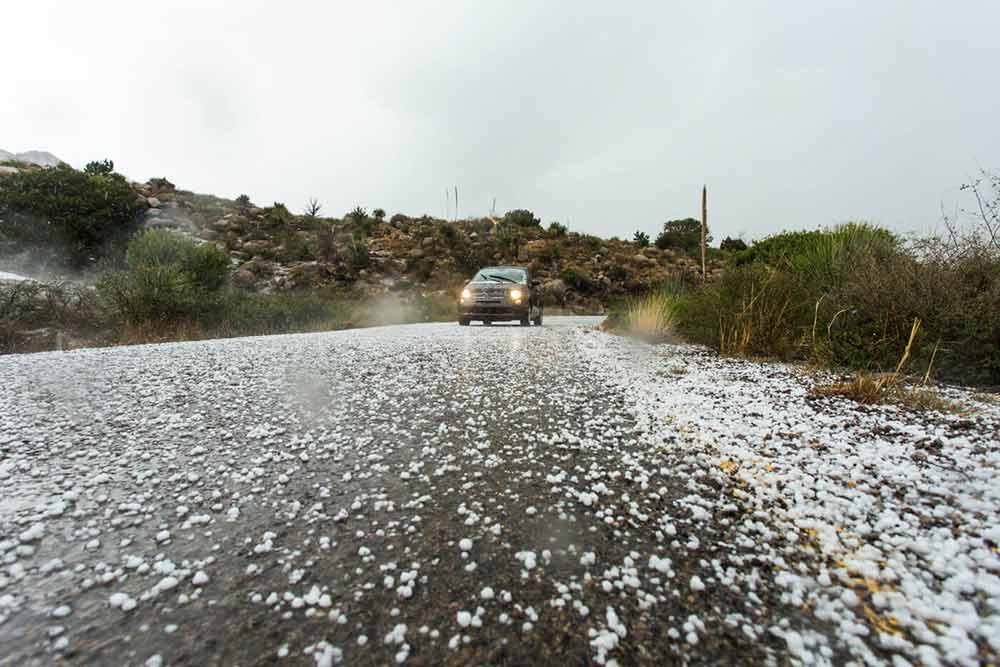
column 424, row 494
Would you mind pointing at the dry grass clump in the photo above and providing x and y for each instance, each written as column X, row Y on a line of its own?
column 872, row 388
column 651, row 317
column 869, row 388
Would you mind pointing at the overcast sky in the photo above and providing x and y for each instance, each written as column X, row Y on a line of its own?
column 608, row 115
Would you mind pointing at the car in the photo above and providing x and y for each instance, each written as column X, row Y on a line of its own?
column 501, row 294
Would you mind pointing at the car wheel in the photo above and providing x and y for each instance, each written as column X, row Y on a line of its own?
column 463, row 321
column 525, row 321
column 487, row 323
column 538, row 320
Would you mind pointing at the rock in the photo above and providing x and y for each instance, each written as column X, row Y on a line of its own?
column 153, row 202
column 535, row 248
column 642, row 260
column 555, row 288
column 416, row 253
column 8, row 170
column 256, row 246
column 427, row 242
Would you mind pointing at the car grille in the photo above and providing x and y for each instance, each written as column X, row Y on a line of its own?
column 491, row 295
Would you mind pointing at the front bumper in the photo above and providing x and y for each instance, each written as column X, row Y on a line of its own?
column 493, row 311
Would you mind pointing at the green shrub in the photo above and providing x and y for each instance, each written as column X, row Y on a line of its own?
column 556, row 230
column 591, row 242
column 522, row 218
column 357, row 253
column 205, row 266
column 577, row 278
column 849, row 296
column 169, row 277
column 681, row 234
column 102, row 168
column 84, row 213
column 641, row 239
column 730, row 244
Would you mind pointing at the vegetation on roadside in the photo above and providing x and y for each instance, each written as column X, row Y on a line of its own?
column 854, row 296
column 82, row 214
column 173, row 288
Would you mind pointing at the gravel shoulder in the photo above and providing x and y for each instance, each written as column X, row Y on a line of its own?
column 430, row 494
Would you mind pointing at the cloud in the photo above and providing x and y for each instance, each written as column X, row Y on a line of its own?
column 609, row 116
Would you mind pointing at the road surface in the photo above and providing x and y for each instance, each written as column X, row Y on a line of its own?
column 435, row 494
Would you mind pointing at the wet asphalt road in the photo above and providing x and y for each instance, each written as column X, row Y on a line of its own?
column 423, row 494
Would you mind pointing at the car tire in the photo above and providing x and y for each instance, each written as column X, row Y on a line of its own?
column 538, row 320
column 463, row 321
column 487, row 323
column 525, row 321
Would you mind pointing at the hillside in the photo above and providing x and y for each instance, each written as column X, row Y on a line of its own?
column 274, row 250
column 40, row 158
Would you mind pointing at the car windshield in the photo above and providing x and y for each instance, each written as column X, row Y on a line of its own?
column 503, row 274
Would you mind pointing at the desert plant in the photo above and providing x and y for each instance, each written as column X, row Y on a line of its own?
column 682, row 234
column 641, row 239
column 730, row 244
column 313, row 208
column 205, row 266
column 83, row 213
column 168, row 277
column 522, row 218
column 102, row 168
column 651, row 317
column 556, row 230
column 357, row 254
column 379, row 214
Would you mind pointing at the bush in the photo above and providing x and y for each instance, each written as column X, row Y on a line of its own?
column 651, row 317
column 522, row 218
column 730, row 244
column 641, row 239
column 206, row 266
column 577, row 278
column 379, row 214
column 556, row 230
column 849, row 296
column 102, row 168
column 681, row 234
column 84, row 213
column 29, row 306
column 357, row 253
column 169, row 277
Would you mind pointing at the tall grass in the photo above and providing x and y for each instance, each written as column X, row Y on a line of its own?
column 651, row 317
column 848, row 297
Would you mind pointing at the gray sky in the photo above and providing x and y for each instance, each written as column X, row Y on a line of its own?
column 610, row 115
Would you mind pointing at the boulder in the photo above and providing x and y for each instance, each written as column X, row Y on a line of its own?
column 153, row 202
column 244, row 278
column 416, row 253
column 256, row 246
column 535, row 248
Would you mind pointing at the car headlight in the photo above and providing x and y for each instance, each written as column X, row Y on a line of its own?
column 515, row 294
column 466, row 294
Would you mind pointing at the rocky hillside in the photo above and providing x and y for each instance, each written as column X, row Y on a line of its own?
column 40, row 158
column 275, row 250
column 361, row 253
